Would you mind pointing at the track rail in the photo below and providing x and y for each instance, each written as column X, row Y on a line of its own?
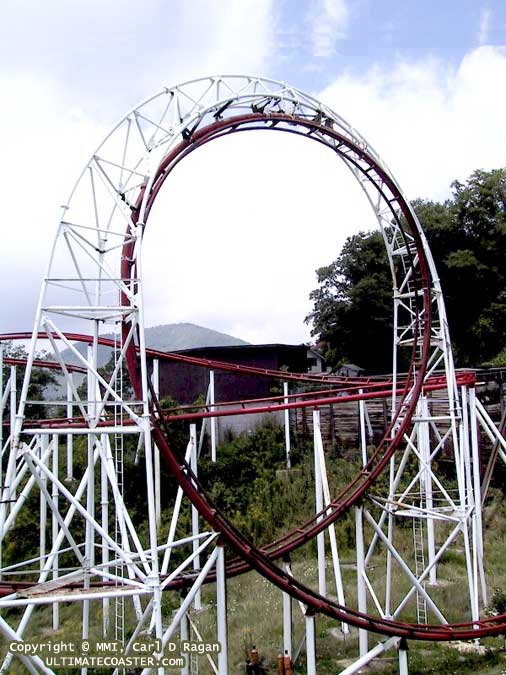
column 356, row 490
column 419, row 293
column 211, row 363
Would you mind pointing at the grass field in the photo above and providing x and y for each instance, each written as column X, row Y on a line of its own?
column 255, row 615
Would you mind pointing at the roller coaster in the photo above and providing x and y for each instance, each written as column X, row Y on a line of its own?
column 94, row 282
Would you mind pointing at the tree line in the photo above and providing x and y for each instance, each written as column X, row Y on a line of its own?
column 353, row 308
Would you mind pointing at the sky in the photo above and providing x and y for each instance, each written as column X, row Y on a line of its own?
column 241, row 225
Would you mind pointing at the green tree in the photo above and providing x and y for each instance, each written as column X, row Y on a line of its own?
column 40, row 379
column 469, row 249
column 353, row 304
column 467, row 235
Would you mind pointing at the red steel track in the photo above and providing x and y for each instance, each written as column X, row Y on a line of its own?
column 250, row 556
column 38, row 363
column 254, row 557
column 207, row 363
column 363, row 388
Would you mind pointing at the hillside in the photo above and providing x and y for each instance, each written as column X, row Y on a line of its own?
column 175, row 336
column 169, row 337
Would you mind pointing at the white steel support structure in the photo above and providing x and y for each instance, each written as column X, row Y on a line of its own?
column 221, row 612
column 432, row 505
column 195, row 513
column 403, row 658
column 287, row 618
column 361, row 578
column 213, row 419
column 310, row 644
column 322, row 494
column 93, row 285
column 287, row 427
column 156, row 388
column 320, row 538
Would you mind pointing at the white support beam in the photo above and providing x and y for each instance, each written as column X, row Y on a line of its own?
column 194, row 511
column 212, row 419
column 357, row 666
column 287, row 427
column 320, row 537
column 361, row 586
column 287, row 617
column 221, row 610
column 310, row 644
column 155, row 378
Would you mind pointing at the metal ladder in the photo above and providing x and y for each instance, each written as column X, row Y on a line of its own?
column 194, row 659
column 119, row 602
column 419, row 550
column 194, row 664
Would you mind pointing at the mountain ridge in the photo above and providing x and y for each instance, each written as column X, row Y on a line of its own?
column 168, row 337
column 185, row 335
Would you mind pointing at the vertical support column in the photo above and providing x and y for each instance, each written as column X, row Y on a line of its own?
column 403, row 657
column 320, row 538
column 477, row 515
column 90, row 487
column 361, row 589
column 359, row 536
column 363, row 437
column 156, row 388
column 104, row 505
column 54, row 528
column 43, row 505
column 471, row 578
column 13, row 405
column 9, row 469
column 154, row 576
column 310, row 644
column 393, row 409
column 287, row 427
column 331, row 529
column 426, row 478
column 13, row 410
column 204, row 423
column 464, row 475
column 70, row 438
column 221, row 609
column 213, row 419
column 184, row 634
column 390, row 535
column 287, row 617
column 195, row 513
column 467, row 500
column 393, row 406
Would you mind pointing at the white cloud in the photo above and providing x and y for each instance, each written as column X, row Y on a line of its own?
column 239, row 229
column 243, row 223
column 112, row 54
column 328, row 23
column 430, row 122
column 485, row 19
column 244, row 38
column 61, row 94
column 44, row 146
column 208, row 38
